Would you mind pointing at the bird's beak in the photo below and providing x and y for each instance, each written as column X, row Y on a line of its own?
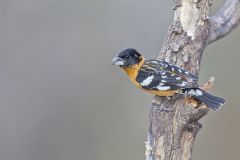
column 117, row 61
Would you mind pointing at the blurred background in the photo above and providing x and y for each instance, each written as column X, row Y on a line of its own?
column 61, row 99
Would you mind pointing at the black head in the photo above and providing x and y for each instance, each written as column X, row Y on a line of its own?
column 127, row 58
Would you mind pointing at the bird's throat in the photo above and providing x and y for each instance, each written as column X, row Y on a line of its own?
column 132, row 71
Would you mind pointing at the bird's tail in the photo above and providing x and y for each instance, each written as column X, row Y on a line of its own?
column 209, row 100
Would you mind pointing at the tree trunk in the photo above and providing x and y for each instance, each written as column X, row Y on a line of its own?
column 174, row 121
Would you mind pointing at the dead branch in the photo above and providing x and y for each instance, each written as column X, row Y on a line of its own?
column 226, row 20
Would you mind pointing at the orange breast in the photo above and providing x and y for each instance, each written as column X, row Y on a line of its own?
column 132, row 72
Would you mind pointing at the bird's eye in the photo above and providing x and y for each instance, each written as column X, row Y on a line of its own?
column 127, row 57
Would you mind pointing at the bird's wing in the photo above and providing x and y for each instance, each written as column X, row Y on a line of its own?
column 160, row 75
column 161, row 64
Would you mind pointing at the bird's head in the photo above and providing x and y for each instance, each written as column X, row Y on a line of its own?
column 127, row 58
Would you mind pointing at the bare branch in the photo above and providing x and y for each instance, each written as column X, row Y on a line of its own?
column 173, row 122
column 206, row 86
column 225, row 20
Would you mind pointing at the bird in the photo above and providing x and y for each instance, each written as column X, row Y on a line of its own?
column 163, row 79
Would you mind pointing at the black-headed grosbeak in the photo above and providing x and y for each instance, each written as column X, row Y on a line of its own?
column 163, row 79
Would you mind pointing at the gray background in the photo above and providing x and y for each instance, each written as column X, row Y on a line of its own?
column 60, row 98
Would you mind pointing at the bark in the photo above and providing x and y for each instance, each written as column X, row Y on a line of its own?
column 174, row 121
column 227, row 19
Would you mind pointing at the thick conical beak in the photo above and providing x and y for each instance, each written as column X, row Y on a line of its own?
column 117, row 61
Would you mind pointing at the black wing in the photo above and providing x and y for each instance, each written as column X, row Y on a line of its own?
column 160, row 75
column 172, row 69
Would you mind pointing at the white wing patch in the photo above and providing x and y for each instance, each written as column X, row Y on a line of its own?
column 183, row 83
column 199, row 92
column 147, row 81
column 196, row 92
column 178, row 78
column 162, row 88
column 163, row 81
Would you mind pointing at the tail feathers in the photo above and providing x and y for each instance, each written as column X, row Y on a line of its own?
column 209, row 100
